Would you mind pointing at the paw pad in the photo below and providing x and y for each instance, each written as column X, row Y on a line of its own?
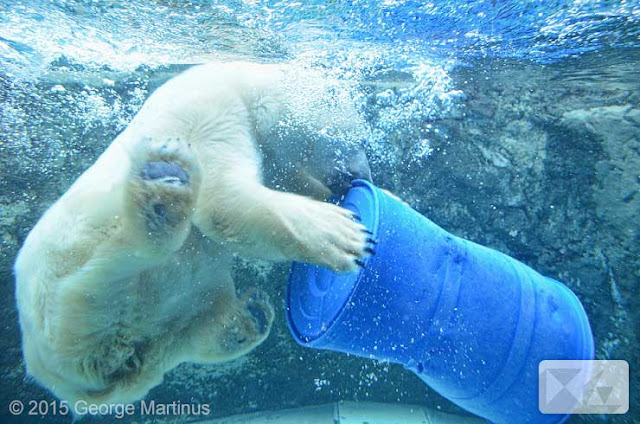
column 165, row 172
column 259, row 317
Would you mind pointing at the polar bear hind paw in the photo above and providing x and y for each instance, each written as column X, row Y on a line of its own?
column 166, row 185
column 250, row 324
column 165, row 172
column 260, row 310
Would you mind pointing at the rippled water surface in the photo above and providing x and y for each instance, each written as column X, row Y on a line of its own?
column 408, row 44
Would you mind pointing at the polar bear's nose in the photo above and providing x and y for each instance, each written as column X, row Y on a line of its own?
column 355, row 167
column 359, row 167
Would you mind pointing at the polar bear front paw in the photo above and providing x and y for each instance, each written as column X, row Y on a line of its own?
column 328, row 235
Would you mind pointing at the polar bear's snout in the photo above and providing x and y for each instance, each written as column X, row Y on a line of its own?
column 166, row 172
column 354, row 167
column 359, row 166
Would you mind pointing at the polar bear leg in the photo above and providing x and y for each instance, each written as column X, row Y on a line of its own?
column 230, row 329
column 233, row 206
column 162, row 187
column 97, row 237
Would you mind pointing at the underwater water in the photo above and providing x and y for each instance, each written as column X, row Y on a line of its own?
column 515, row 124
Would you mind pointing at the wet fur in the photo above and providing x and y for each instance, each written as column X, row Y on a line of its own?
column 128, row 273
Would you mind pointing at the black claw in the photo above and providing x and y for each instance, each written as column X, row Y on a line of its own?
column 366, row 231
column 370, row 250
column 372, row 241
column 359, row 263
column 356, row 217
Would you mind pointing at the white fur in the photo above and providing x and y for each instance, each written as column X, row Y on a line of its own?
column 109, row 301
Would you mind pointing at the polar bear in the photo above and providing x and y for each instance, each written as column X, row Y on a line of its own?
column 128, row 273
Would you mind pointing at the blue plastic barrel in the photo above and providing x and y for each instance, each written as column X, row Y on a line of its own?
column 471, row 322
